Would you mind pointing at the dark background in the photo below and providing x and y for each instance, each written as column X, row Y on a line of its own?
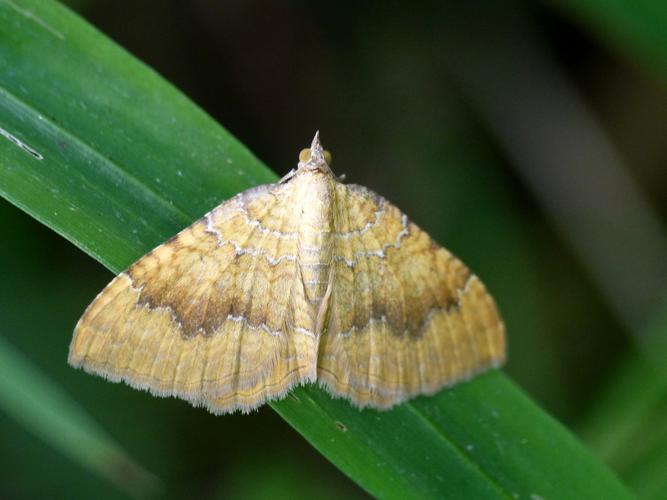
column 511, row 131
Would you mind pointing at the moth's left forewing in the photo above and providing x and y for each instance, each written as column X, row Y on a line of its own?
column 406, row 316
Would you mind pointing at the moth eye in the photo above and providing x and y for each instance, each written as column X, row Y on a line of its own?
column 327, row 157
column 304, row 155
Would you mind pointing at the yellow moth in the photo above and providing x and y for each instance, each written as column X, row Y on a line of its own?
column 305, row 280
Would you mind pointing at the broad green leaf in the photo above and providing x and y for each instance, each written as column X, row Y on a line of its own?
column 106, row 153
column 167, row 154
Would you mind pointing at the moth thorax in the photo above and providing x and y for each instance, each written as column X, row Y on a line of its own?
column 315, row 249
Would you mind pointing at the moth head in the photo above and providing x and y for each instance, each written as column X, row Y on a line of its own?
column 315, row 157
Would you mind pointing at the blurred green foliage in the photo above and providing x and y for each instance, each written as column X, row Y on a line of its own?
column 401, row 100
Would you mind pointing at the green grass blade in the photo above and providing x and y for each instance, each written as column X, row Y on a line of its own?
column 118, row 161
column 629, row 429
column 483, row 439
column 131, row 129
column 627, row 426
column 40, row 406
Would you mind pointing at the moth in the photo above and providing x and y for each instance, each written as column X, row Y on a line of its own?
column 307, row 280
